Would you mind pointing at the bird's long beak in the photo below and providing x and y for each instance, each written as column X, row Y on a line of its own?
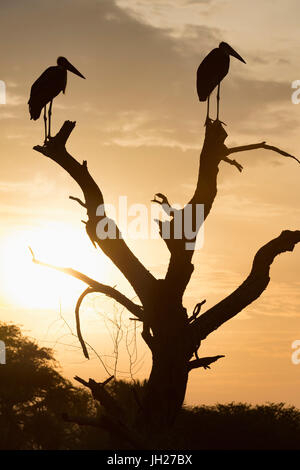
column 72, row 69
column 235, row 54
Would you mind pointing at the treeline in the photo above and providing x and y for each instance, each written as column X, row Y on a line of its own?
column 34, row 396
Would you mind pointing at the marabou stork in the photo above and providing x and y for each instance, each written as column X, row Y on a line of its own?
column 47, row 87
column 211, row 72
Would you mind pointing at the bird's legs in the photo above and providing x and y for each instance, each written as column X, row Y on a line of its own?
column 218, row 105
column 207, row 120
column 218, row 101
column 49, row 122
column 45, row 124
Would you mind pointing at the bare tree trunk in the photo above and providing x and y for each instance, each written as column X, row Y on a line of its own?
column 172, row 336
column 171, row 350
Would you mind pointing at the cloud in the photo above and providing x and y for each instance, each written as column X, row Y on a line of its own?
column 14, row 99
column 134, row 68
column 7, row 115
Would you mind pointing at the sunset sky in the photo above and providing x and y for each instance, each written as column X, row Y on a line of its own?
column 140, row 127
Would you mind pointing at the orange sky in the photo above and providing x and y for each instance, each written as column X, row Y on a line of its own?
column 140, row 126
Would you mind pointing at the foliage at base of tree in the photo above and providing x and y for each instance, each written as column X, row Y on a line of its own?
column 34, row 396
column 232, row 426
column 239, row 426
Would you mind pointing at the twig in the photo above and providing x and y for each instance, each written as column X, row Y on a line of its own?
column 203, row 362
column 197, row 310
column 234, row 163
column 78, row 200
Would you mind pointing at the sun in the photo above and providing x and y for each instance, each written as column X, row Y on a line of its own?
column 27, row 285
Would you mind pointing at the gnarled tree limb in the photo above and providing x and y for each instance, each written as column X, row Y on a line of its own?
column 109, row 291
column 114, row 417
column 115, row 248
column 87, row 291
column 213, row 152
column 250, row 289
column 203, row 362
column 261, row 145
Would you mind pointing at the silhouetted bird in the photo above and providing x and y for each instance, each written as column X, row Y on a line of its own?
column 211, row 72
column 47, row 87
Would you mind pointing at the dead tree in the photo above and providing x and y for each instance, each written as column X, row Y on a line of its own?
column 172, row 335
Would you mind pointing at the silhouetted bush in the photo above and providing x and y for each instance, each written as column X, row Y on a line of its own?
column 34, row 395
column 229, row 426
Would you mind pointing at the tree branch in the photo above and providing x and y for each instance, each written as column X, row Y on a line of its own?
column 109, row 291
column 77, row 199
column 162, row 200
column 114, row 247
column 203, row 362
column 250, row 289
column 100, row 394
column 234, row 163
column 213, row 152
column 87, row 291
column 261, row 145
column 113, row 419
